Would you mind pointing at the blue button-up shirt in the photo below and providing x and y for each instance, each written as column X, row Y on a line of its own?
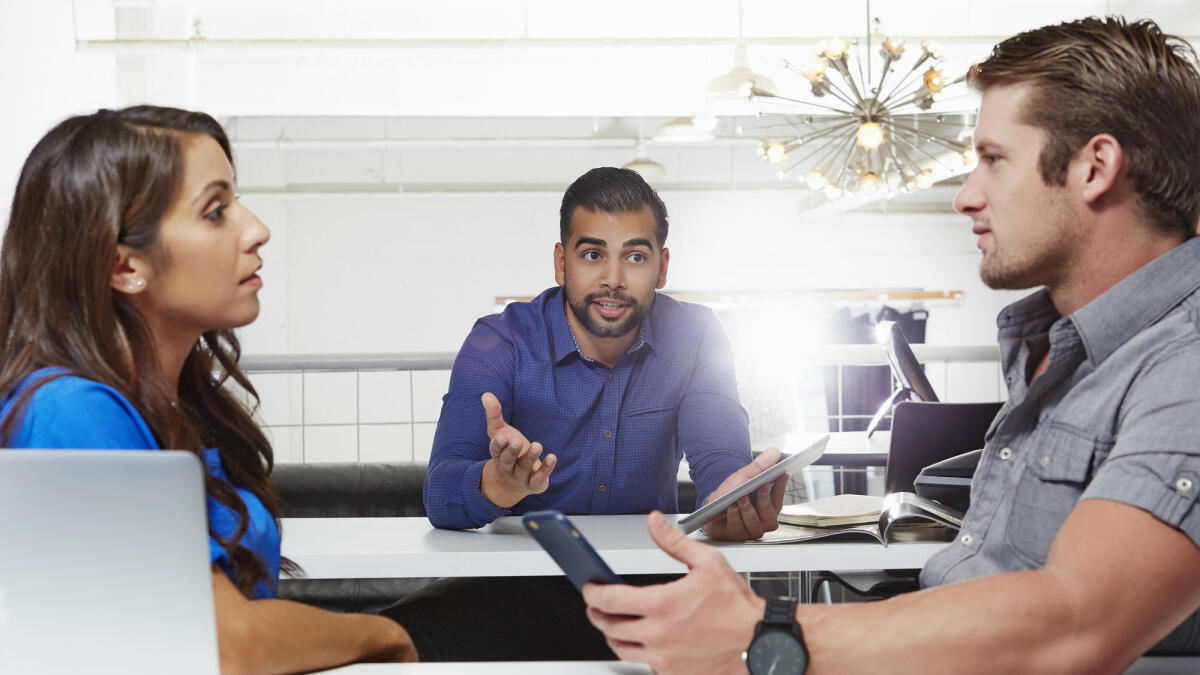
column 618, row 433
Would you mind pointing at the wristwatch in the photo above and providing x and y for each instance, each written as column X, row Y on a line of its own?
column 778, row 645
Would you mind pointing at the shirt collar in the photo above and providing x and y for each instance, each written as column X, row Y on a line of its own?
column 1138, row 300
column 563, row 339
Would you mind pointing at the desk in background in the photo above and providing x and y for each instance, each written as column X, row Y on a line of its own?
column 853, row 449
column 343, row 548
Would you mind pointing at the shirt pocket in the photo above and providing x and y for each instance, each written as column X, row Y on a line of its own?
column 1057, row 468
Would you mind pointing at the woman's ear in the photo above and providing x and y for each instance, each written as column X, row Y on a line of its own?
column 130, row 271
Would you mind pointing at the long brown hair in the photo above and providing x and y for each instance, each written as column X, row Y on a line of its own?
column 93, row 182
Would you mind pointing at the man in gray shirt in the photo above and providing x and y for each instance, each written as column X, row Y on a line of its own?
column 1081, row 549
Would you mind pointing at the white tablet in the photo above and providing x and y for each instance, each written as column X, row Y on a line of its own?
column 787, row 464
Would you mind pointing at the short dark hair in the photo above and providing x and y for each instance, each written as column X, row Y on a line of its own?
column 612, row 190
column 1096, row 76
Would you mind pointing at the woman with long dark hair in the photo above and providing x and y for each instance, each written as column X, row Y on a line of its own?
column 126, row 264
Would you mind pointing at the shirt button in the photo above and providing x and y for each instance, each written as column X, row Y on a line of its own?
column 967, row 539
column 1045, row 462
column 608, row 433
column 1183, row 484
column 611, row 377
column 602, row 488
column 1006, row 454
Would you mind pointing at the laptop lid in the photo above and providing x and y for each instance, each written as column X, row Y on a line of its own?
column 924, row 433
column 104, row 563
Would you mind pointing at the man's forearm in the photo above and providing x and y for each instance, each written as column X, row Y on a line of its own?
column 1018, row 622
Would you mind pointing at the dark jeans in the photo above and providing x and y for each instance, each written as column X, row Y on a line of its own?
column 504, row 619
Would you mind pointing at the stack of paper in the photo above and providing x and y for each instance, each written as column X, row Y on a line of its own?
column 832, row 511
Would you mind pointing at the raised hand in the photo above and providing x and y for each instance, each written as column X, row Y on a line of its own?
column 516, row 468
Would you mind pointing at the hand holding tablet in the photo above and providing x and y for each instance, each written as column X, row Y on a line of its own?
column 718, row 506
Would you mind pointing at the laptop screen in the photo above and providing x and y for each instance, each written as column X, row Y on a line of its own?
column 104, row 563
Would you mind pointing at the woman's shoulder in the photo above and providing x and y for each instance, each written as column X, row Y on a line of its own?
column 66, row 410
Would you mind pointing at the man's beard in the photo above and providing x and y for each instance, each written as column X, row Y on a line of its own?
column 601, row 327
column 1043, row 262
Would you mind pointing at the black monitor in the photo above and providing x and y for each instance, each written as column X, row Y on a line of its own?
column 905, row 368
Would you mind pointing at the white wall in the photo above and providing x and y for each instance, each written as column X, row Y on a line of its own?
column 411, row 272
column 42, row 81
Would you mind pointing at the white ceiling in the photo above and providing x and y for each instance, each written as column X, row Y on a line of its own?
column 515, row 57
column 459, row 95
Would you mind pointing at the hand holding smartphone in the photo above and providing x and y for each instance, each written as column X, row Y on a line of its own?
column 569, row 549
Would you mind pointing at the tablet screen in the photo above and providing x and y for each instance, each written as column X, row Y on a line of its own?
column 788, row 464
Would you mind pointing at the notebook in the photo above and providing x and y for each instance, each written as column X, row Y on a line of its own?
column 104, row 563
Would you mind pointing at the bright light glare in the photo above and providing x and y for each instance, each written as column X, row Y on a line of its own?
column 883, row 332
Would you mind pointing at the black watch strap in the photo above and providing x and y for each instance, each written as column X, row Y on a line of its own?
column 780, row 612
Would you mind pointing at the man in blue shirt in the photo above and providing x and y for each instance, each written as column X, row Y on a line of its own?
column 613, row 380
column 617, row 383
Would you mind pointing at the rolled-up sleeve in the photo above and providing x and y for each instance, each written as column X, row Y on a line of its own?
column 1155, row 463
column 460, row 445
column 714, row 429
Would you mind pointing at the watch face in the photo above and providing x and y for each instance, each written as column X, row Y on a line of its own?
column 776, row 653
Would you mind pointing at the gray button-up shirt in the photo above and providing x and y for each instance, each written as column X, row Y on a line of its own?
column 1115, row 415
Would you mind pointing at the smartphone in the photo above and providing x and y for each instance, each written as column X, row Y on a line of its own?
column 569, row 549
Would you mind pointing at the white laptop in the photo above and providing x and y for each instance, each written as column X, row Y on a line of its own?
column 104, row 564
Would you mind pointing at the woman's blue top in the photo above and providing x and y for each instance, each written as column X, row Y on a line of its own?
column 78, row 414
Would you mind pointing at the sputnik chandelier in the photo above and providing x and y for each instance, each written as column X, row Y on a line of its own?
column 865, row 129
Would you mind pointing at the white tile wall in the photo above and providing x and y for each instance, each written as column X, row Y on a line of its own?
column 384, row 397
column 428, row 388
column 331, row 444
column 385, row 443
column 280, row 402
column 422, row 441
column 287, row 442
column 330, row 398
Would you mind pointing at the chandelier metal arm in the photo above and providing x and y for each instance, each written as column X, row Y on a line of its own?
column 839, row 64
column 808, row 103
column 945, row 142
column 887, row 66
column 822, row 146
column 842, row 149
column 904, row 81
column 901, row 139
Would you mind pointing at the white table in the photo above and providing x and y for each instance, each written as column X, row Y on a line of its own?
column 854, row 449
column 1171, row 665
column 341, row 548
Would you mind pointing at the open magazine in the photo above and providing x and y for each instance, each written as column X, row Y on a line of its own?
column 900, row 516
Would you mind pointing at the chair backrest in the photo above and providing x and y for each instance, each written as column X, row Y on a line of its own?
column 104, row 563
column 924, row 433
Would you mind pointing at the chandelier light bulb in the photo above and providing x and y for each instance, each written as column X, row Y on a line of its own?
column 746, row 89
column 761, row 150
column 935, row 81
column 869, row 135
column 925, row 179
column 894, row 46
column 776, row 153
column 930, row 47
column 969, row 156
column 835, row 48
column 814, row 69
column 832, row 191
column 815, row 180
column 869, row 182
